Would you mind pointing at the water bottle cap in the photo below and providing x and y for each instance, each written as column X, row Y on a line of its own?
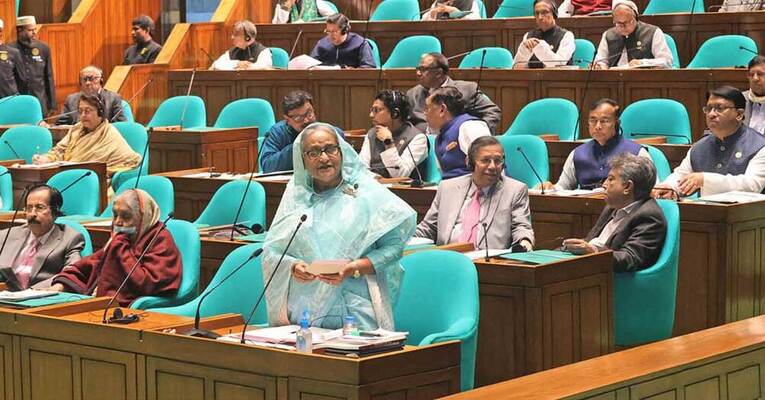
column 350, row 318
column 304, row 323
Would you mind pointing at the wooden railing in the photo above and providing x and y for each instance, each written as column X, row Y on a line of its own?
column 8, row 15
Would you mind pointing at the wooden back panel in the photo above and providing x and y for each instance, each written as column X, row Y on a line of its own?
column 8, row 15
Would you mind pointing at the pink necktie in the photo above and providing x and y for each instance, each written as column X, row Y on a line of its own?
column 470, row 219
column 22, row 274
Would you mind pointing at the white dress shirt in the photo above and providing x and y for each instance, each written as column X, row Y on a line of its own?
column 544, row 51
column 752, row 180
column 225, row 63
column 399, row 165
column 282, row 16
column 475, row 12
column 470, row 131
column 757, row 117
column 608, row 230
column 661, row 52
column 567, row 180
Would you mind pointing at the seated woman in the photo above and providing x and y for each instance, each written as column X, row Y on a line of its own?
column 393, row 145
column 453, row 9
column 350, row 217
column 93, row 139
column 135, row 224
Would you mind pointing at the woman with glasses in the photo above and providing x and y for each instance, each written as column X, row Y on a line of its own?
column 351, row 222
column 393, row 147
column 548, row 45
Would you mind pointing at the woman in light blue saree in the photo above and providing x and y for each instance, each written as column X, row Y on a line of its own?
column 349, row 217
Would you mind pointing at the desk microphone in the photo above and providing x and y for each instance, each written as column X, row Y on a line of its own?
column 294, row 45
column 541, row 182
column 416, row 183
column 271, row 278
column 122, row 105
column 143, row 156
column 209, row 57
column 57, row 116
column 749, row 50
column 81, row 177
column 244, row 196
column 188, row 93
column 459, row 55
column 685, row 138
column 15, row 153
column 15, row 213
column 480, row 70
column 486, row 239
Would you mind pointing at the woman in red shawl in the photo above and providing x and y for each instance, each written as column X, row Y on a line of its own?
column 135, row 223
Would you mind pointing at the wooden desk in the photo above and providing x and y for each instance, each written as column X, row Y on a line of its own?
column 23, row 177
column 234, row 150
column 722, row 362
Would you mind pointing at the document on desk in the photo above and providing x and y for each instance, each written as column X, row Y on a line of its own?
column 573, row 192
column 539, row 256
column 22, row 295
column 478, row 254
column 734, row 197
column 282, row 335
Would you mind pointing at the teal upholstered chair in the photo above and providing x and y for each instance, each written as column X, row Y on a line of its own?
column 332, row 6
column 20, row 109
column 247, row 112
column 237, row 295
column 584, row 53
column 186, row 238
column 396, row 10
column 158, row 187
column 279, row 57
column 644, row 301
column 82, row 198
column 673, row 47
column 375, row 52
column 88, row 249
column 222, row 207
column 127, row 111
column 434, row 313
column 724, row 52
column 649, row 117
column 674, row 6
column 26, row 141
column 433, row 172
column 6, row 190
column 496, row 57
column 660, row 162
column 171, row 112
column 515, row 8
column 137, row 138
column 547, row 116
column 516, row 166
column 409, row 50
column 482, row 9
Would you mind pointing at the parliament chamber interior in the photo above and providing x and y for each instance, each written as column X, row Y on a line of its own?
column 382, row 199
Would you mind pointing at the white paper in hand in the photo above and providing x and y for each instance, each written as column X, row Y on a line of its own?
column 327, row 267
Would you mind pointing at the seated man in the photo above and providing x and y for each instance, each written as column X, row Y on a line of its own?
column 755, row 96
column 145, row 49
column 632, row 224
column 453, row 9
column 276, row 151
column 631, row 42
column 466, row 207
column 731, row 156
column 37, row 251
column 587, row 166
column 445, row 113
column 742, row 5
column 91, row 79
column 299, row 11
column 433, row 73
column 582, row 7
column 134, row 226
column 343, row 47
column 393, row 145
column 246, row 52
column 93, row 139
column 547, row 46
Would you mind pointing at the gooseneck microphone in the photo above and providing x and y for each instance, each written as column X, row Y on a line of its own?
column 416, row 183
column 15, row 153
column 486, row 239
column 188, row 93
column 209, row 57
column 143, row 156
column 57, row 116
column 74, row 182
column 244, row 196
column 271, row 278
column 122, row 106
column 294, row 45
column 749, row 50
column 480, row 70
column 196, row 332
column 541, row 182
column 15, row 213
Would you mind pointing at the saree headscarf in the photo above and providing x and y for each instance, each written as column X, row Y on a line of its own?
column 342, row 223
column 144, row 209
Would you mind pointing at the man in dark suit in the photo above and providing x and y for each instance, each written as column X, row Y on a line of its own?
column 37, row 64
column 433, row 73
column 632, row 224
column 91, row 81
column 34, row 253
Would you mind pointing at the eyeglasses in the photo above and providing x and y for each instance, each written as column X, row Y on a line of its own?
column 301, row 117
column 423, row 69
column 604, row 122
column 331, row 32
column 542, row 13
column 623, row 24
column 375, row 110
column 756, row 74
column 717, row 109
column 330, row 150
column 39, row 208
column 91, row 78
column 498, row 161
column 86, row 110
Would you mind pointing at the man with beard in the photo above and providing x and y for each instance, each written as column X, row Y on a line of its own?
column 36, row 63
column 145, row 49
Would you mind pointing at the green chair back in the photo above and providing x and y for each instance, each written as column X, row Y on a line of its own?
column 136, row 137
column 648, row 117
column 482, row 9
column 496, row 57
column 515, row 8
column 186, row 238
column 225, row 202
column 674, row 6
column 409, row 50
column 26, row 141
column 82, row 198
column 279, row 58
column 170, row 112
column 644, row 301
column 20, row 109
column 659, row 161
column 127, row 111
column 584, row 53
column 516, row 166
column 396, row 10
column 673, row 48
column 434, row 313
column 535, row 119
column 88, row 249
column 724, row 52
column 6, row 190
column 235, row 295
column 247, row 112
column 332, row 6
column 375, row 52
column 433, row 173
column 158, row 187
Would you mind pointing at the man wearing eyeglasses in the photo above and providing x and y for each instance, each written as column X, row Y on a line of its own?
column 485, row 208
column 276, row 150
column 548, row 45
column 755, row 96
column 731, row 156
column 91, row 79
column 632, row 43
column 35, row 252
column 343, row 47
column 433, row 73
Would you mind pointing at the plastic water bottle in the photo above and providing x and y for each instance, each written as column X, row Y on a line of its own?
column 351, row 327
column 304, row 339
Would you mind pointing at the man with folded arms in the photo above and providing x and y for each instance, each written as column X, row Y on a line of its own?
column 548, row 45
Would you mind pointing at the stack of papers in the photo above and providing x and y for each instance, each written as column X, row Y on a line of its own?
column 539, row 256
column 733, row 197
column 53, row 298
column 574, row 192
column 6, row 295
column 369, row 342
column 282, row 337
column 478, row 254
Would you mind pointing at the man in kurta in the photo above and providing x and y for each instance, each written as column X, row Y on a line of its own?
column 36, row 63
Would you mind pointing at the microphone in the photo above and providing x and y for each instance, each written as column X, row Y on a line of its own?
column 271, row 278
column 15, row 153
column 87, row 173
column 541, row 182
column 117, row 316
column 690, row 21
column 196, row 332
column 15, row 213
column 294, row 45
column 416, row 183
column 663, row 134
column 486, row 239
column 61, row 115
column 188, row 93
column 209, row 57
column 143, row 157
column 749, row 50
column 458, row 55
column 122, row 105
column 480, row 70
column 244, row 195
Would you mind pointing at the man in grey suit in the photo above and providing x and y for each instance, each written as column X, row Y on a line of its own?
column 433, row 73
column 91, row 81
column 483, row 208
column 34, row 253
column 632, row 224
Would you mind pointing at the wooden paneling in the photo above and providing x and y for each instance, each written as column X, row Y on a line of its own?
column 8, row 15
column 6, row 367
column 47, row 11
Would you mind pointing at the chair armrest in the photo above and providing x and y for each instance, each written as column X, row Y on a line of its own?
column 459, row 330
column 146, row 302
